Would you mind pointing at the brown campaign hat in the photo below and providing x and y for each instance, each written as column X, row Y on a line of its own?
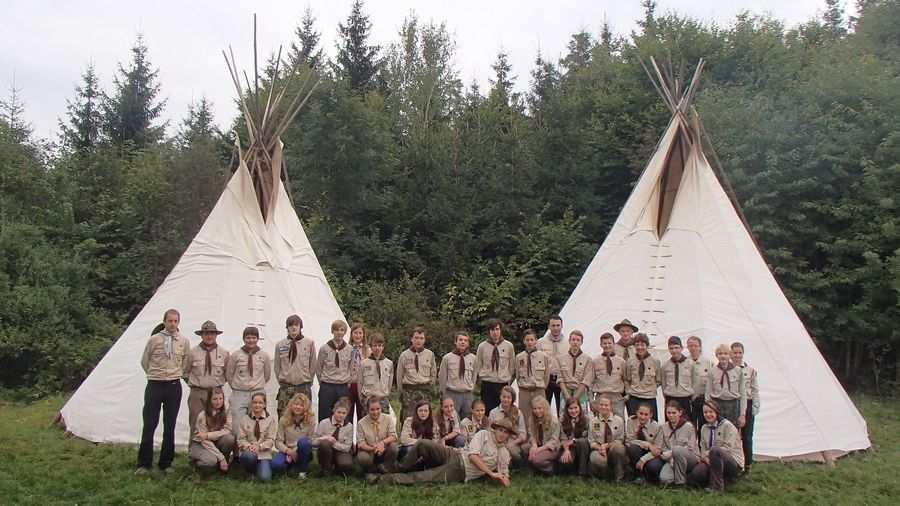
column 504, row 424
column 624, row 323
column 208, row 326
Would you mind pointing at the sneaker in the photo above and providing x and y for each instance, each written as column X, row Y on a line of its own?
column 141, row 470
column 167, row 470
column 301, row 476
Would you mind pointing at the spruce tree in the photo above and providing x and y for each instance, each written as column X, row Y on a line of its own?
column 357, row 61
column 306, row 50
column 133, row 107
column 81, row 130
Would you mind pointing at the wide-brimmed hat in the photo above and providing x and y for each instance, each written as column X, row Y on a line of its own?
column 624, row 323
column 208, row 326
column 504, row 424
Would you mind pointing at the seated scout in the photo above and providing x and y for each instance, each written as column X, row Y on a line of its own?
column 294, row 437
column 607, row 436
column 333, row 440
column 576, row 448
column 376, row 440
column 256, row 438
column 721, row 452
column 213, row 441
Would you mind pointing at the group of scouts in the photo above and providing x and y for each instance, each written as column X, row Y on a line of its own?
column 606, row 426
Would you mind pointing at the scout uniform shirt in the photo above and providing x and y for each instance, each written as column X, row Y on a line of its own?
column 166, row 361
column 572, row 369
column 286, row 438
column 545, row 433
column 344, row 436
column 676, row 378
column 470, row 427
column 751, row 387
column 373, row 432
column 238, row 370
column 724, row 435
column 407, row 438
column 633, row 432
column 295, row 365
column 533, row 369
column 496, row 368
column 208, row 372
column 495, row 457
column 265, row 442
column 598, row 434
column 454, row 377
column 498, row 414
column 607, row 375
column 727, row 385
column 211, row 437
column 668, row 438
column 625, row 352
column 451, row 424
column 554, row 350
column 333, row 365
column 375, row 377
column 416, row 368
column 642, row 384
column 700, row 374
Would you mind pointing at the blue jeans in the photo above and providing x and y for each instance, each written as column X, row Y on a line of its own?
column 263, row 467
column 304, row 457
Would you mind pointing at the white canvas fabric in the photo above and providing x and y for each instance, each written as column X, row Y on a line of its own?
column 705, row 277
column 238, row 271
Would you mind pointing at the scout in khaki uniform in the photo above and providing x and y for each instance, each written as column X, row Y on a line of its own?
column 295, row 363
column 376, row 440
column 508, row 409
column 416, row 373
column 554, row 346
column 700, row 367
column 485, row 456
column 212, row 443
column 208, row 363
column 256, row 438
column 573, row 369
column 576, row 448
column 333, row 441
column 420, row 425
column 477, row 421
column 448, row 425
column 751, row 386
column 606, row 434
column 532, row 371
column 495, row 364
column 625, row 344
column 166, row 359
column 721, row 454
column 726, row 385
column 296, row 429
column 674, row 453
column 376, row 374
column 606, row 377
column 642, row 377
column 359, row 351
column 543, row 443
column 640, row 434
column 333, row 370
column 248, row 371
column 456, row 376
column 676, row 376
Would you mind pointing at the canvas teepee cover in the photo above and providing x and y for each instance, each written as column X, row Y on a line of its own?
column 679, row 261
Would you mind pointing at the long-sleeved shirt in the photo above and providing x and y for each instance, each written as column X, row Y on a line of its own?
column 538, row 375
column 503, row 370
column 669, row 438
column 550, row 434
column 212, row 436
column 448, row 374
column 751, row 386
column 326, row 428
column 571, row 432
column 724, row 435
column 573, row 370
column 632, row 429
column 408, row 374
column 636, row 386
column 199, row 376
column 603, row 381
column 331, row 370
column 408, row 438
column 162, row 365
column 238, row 370
column 685, row 386
column 700, row 374
column 265, row 443
column 372, row 432
column 597, row 430
column 303, row 369
column 554, row 348
column 727, row 385
column 375, row 377
column 494, row 455
column 286, row 438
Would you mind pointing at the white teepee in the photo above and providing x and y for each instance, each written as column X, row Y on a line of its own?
column 679, row 261
column 250, row 264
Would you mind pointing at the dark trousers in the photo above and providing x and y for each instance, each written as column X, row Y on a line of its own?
column 634, row 453
column 554, row 392
column 747, row 435
column 490, row 394
column 329, row 394
column 633, row 403
column 652, row 469
column 165, row 395
column 697, row 413
column 684, row 402
column 721, row 466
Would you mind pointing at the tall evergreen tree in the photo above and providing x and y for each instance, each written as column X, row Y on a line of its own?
column 199, row 124
column 357, row 61
column 305, row 50
column 12, row 113
column 133, row 107
column 834, row 18
column 81, row 131
column 502, row 82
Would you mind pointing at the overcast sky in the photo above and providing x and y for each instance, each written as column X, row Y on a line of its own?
column 47, row 44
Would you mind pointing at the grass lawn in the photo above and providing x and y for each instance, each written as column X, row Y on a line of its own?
column 38, row 465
